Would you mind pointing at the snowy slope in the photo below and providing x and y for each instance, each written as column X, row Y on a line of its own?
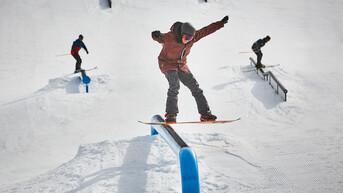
column 57, row 138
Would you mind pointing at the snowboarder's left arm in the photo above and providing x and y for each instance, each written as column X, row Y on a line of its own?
column 205, row 31
column 84, row 47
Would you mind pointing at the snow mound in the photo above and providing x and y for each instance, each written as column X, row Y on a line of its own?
column 146, row 163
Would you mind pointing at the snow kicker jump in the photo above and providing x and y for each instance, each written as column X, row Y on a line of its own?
column 186, row 155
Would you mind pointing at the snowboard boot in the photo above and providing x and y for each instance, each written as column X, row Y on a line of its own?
column 207, row 117
column 259, row 66
column 78, row 70
column 170, row 118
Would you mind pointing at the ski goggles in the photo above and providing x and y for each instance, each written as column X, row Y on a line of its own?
column 187, row 37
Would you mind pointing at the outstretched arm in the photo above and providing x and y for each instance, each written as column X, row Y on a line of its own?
column 205, row 31
column 157, row 36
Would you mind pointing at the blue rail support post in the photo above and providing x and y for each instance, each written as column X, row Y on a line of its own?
column 187, row 157
column 85, row 79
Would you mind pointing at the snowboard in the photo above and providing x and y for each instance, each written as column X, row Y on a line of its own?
column 190, row 122
column 250, row 69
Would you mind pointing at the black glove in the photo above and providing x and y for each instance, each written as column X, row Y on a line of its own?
column 157, row 34
column 87, row 52
column 225, row 19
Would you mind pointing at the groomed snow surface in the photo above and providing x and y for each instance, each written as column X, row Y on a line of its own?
column 55, row 137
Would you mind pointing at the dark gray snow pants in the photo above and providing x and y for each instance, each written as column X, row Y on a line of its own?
column 174, row 77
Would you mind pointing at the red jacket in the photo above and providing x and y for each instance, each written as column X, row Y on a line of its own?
column 77, row 45
column 171, row 57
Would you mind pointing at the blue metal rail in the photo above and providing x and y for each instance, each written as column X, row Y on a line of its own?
column 187, row 157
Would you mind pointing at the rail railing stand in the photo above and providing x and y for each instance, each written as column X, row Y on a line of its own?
column 273, row 81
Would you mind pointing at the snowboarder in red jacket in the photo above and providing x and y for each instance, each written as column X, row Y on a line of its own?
column 77, row 45
column 172, row 60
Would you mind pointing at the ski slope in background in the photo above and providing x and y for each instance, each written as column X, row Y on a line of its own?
column 57, row 138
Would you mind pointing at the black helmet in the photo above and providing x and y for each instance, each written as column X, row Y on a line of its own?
column 267, row 38
column 188, row 29
column 80, row 37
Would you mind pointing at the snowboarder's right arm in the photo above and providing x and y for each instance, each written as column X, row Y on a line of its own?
column 73, row 47
column 163, row 37
column 258, row 45
column 157, row 36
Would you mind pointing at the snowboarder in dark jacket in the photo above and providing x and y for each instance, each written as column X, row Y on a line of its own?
column 256, row 47
column 77, row 45
column 172, row 60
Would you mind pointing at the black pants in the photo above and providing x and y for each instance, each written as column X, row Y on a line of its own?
column 78, row 61
column 174, row 77
column 259, row 57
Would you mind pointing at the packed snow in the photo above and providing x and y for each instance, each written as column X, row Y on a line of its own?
column 55, row 137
